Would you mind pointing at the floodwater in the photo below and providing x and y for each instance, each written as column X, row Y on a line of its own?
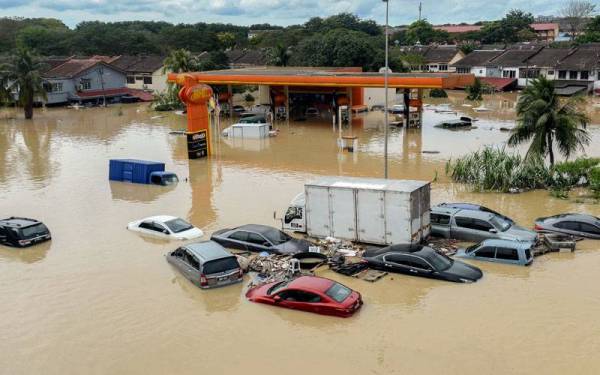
column 99, row 299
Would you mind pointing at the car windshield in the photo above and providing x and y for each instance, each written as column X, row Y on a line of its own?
column 439, row 262
column 277, row 287
column 338, row 292
column 178, row 225
column 170, row 179
column 276, row 236
column 500, row 223
column 34, row 231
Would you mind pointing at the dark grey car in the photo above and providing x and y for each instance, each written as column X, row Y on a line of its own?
column 476, row 226
column 206, row 264
column 259, row 238
column 580, row 225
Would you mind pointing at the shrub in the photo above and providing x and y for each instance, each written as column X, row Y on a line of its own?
column 437, row 93
column 249, row 98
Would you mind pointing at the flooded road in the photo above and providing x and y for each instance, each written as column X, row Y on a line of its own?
column 99, row 299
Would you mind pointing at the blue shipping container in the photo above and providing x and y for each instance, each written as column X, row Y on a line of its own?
column 132, row 170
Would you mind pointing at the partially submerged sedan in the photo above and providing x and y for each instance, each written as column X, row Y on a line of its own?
column 309, row 293
column 579, row 225
column 500, row 251
column 418, row 260
column 259, row 238
column 167, row 227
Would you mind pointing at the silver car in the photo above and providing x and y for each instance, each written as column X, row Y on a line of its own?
column 206, row 264
column 476, row 226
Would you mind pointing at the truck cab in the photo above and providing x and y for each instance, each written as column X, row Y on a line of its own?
column 294, row 219
column 163, row 178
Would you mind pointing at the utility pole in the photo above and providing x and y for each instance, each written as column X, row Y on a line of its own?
column 420, row 9
column 385, row 79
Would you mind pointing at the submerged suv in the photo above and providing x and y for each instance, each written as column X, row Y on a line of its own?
column 22, row 232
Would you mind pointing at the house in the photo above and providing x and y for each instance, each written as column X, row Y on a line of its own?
column 245, row 58
column 83, row 80
column 143, row 72
column 512, row 63
column 544, row 63
column 579, row 69
column 477, row 63
column 435, row 58
column 547, row 32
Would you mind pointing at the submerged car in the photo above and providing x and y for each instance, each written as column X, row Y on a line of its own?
column 396, row 109
column 238, row 108
column 259, row 238
column 167, row 227
column 500, row 251
column 579, row 225
column 474, row 207
column 22, row 232
column 476, row 226
column 312, row 112
column 309, row 293
column 418, row 260
column 206, row 264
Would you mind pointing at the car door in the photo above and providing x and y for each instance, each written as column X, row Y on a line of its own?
column 590, row 230
column 422, row 267
column 507, row 255
column 161, row 230
column 237, row 240
column 176, row 259
column 470, row 229
column 301, row 300
column 398, row 263
column 191, row 267
column 485, row 253
column 256, row 242
column 149, row 228
column 440, row 225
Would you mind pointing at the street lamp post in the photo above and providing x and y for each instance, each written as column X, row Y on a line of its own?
column 385, row 106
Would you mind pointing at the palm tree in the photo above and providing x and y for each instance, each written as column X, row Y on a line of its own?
column 545, row 120
column 179, row 61
column 280, row 55
column 22, row 75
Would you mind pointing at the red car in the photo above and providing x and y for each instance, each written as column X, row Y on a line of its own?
column 309, row 293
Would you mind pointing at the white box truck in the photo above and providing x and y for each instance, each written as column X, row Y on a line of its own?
column 367, row 210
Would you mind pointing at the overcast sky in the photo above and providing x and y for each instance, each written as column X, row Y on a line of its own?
column 277, row 12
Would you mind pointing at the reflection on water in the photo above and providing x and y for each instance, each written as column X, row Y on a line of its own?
column 107, row 296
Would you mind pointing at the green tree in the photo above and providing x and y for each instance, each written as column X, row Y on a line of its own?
column 475, row 91
column 226, row 39
column 22, row 73
column 591, row 33
column 545, row 121
column 181, row 60
column 279, row 55
column 423, row 32
column 514, row 27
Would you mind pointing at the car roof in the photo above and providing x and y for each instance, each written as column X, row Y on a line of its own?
column 258, row 228
column 400, row 248
column 473, row 214
column 159, row 218
column 579, row 217
column 18, row 222
column 208, row 250
column 506, row 243
column 315, row 283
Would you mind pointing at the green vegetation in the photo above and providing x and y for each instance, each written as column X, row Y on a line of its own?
column 548, row 122
column 476, row 90
column 437, row 93
column 279, row 55
column 22, row 74
column 249, row 98
column 591, row 33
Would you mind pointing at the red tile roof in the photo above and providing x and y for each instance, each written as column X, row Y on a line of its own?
column 456, row 29
column 499, row 84
column 544, row 26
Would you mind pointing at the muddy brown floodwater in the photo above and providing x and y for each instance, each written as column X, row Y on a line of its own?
column 99, row 299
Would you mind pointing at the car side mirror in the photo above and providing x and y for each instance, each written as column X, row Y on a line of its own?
column 266, row 244
column 277, row 299
column 493, row 230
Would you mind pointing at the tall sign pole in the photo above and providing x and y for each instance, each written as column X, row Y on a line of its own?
column 385, row 106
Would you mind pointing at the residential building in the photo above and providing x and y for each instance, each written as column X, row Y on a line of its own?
column 245, row 58
column 143, row 72
column 79, row 80
column 512, row 63
column 579, row 69
column 547, row 32
column 543, row 63
column 436, row 58
column 478, row 63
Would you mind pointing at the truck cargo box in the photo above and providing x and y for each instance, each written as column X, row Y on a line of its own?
column 132, row 170
column 368, row 210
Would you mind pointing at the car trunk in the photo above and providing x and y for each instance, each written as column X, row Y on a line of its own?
column 222, row 271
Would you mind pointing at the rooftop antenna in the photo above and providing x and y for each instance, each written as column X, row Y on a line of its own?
column 420, row 8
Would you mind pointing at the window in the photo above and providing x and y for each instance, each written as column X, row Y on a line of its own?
column 239, row 236
column 148, row 80
column 443, row 67
column 480, row 71
column 220, row 265
column 506, row 253
column 256, row 239
column 550, row 72
column 463, row 222
column 440, row 219
column 572, row 74
column 86, row 84
column 568, row 225
column 463, row 70
column 420, row 263
column 588, row 228
column 178, row 225
column 276, row 236
column 486, row 252
column 179, row 253
column 130, row 80
column 527, row 254
column 509, row 73
column 299, row 296
column 481, row 225
column 150, row 226
column 338, row 292
column 584, row 75
column 34, row 231
column 562, row 74
column 191, row 260
column 139, row 78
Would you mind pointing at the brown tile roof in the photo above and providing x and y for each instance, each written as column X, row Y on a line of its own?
column 477, row 58
column 512, row 58
column 548, row 57
column 457, row 29
column 74, row 67
column 138, row 64
column 583, row 58
column 247, row 57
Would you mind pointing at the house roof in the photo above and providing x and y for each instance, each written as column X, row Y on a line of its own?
column 512, row 58
column 544, row 26
column 583, row 58
column 247, row 57
column 498, row 83
column 71, row 68
column 139, row 64
column 52, row 62
column 548, row 57
column 477, row 58
column 433, row 54
column 457, row 29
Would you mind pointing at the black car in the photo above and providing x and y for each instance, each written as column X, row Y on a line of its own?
column 22, row 232
column 421, row 261
column 259, row 238
column 475, row 207
column 579, row 225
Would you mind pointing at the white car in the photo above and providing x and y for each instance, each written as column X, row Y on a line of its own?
column 167, row 227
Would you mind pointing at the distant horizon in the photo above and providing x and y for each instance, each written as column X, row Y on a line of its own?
column 274, row 12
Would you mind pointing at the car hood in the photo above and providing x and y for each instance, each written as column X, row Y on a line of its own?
column 464, row 271
column 519, row 233
column 293, row 246
column 189, row 234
